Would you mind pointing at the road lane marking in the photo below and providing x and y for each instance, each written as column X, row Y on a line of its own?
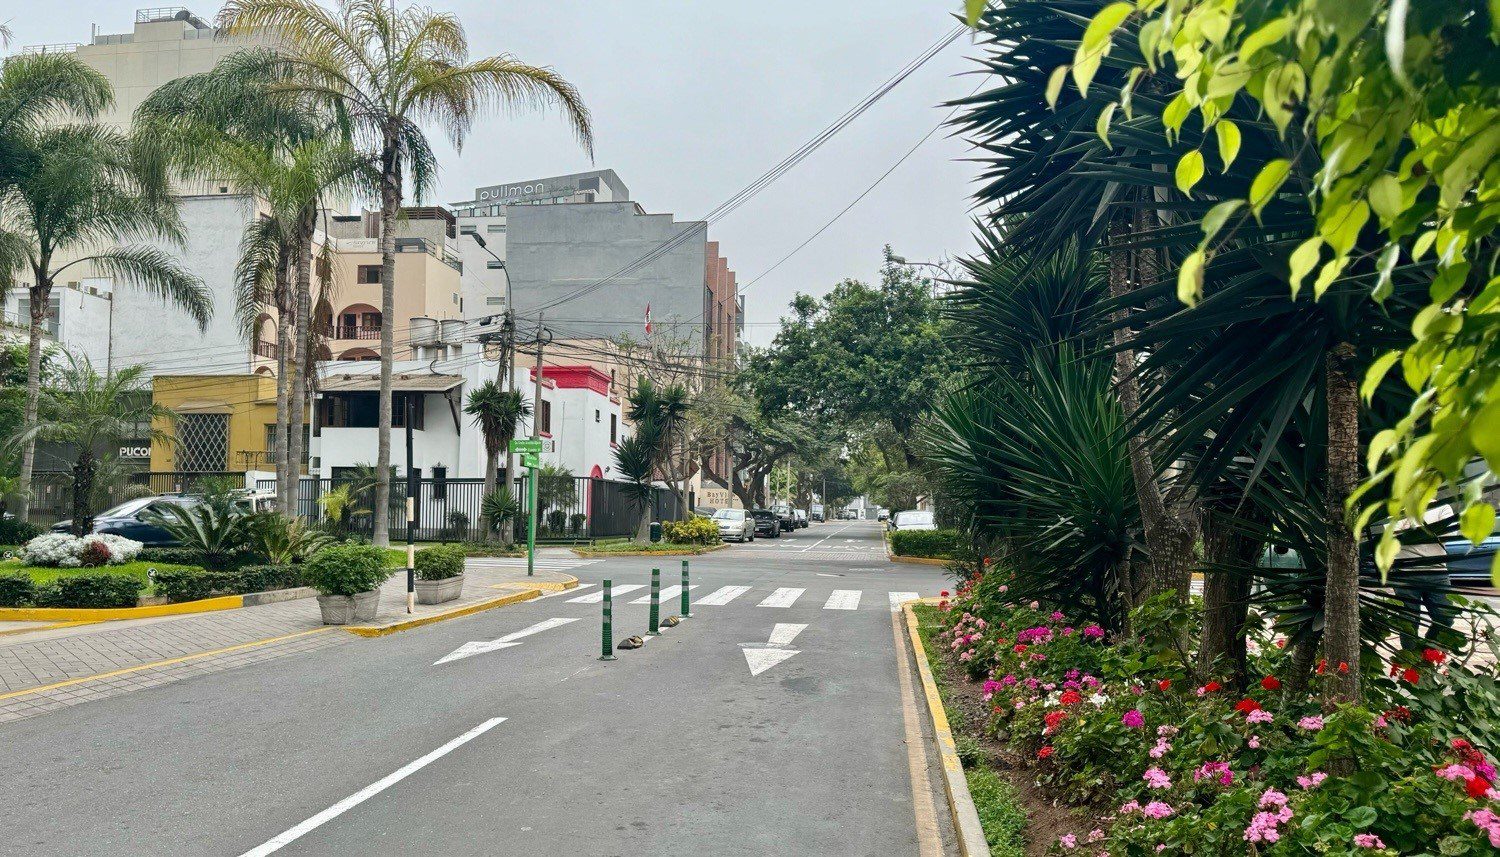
column 573, row 591
column 760, row 658
column 596, row 597
column 783, row 597
column 843, row 599
column 723, row 595
column 784, row 633
column 666, row 594
column 292, row 835
column 929, row 840
column 479, row 647
column 897, row 598
column 816, row 543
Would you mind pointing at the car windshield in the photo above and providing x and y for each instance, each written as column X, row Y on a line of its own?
column 909, row 518
column 730, row 515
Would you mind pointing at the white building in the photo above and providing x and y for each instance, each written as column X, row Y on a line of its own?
column 79, row 317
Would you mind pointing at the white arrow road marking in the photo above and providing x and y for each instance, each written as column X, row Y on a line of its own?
column 761, row 658
column 723, row 595
column 596, row 597
column 479, row 647
column 284, row 839
column 666, row 595
column 897, row 598
column 843, row 599
column 786, row 596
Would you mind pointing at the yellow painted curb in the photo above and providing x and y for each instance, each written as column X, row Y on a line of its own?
column 548, row 585
column 970, row 834
column 532, row 590
column 108, row 614
column 47, row 627
column 918, row 560
column 166, row 663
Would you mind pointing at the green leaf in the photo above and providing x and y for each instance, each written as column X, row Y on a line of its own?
column 1128, row 90
column 1265, row 185
column 1217, row 216
column 1484, row 433
column 1102, row 124
column 1266, row 36
column 1330, row 272
column 1477, row 154
column 1284, row 88
column 1303, row 260
column 1477, row 522
column 1386, row 266
column 1189, row 171
column 1376, row 373
column 1055, row 85
column 1386, row 549
column 1228, row 134
column 1104, row 24
column 1174, row 114
column 1190, row 278
column 1385, row 197
column 1341, row 228
column 973, row 9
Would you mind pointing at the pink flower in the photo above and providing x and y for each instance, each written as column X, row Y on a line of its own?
column 1455, row 773
column 1004, row 588
column 1133, row 719
column 1163, row 746
column 1487, row 821
column 1034, row 605
column 1095, row 835
column 1311, row 724
column 1254, row 742
column 1259, row 716
column 1215, row 770
column 990, row 686
column 1093, row 631
column 1130, row 806
column 1156, row 809
column 1057, row 616
column 1367, row 840
column 1313, row 781
column 1068, row 841
column 1156, row 778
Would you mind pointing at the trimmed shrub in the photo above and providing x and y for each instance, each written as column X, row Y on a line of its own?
column 91, row 589
column 61, row 550
column 14, row 531
column 184, row 584
column 693, row 531
column 440, row 563
column 932, row 544
column 193, row 584
column 17, row 589
column 347, row 569
column 171, row 556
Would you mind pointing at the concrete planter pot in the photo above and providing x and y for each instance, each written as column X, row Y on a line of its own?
column 343, row 609
column 439, row 591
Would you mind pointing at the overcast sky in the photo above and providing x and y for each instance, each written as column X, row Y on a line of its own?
column 693, row 100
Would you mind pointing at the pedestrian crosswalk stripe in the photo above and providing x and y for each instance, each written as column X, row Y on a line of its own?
column 897, row 598
column 520, row 562
column 666, row 595
column 843, row 599
column 786, row 596
column 723, row 595
column 596, row 597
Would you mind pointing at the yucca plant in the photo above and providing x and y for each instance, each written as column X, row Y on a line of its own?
column 218, row 533
column 285, row 540
column 498, row 508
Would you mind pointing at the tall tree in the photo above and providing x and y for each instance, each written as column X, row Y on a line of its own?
column 386, row 72
column 498, row 412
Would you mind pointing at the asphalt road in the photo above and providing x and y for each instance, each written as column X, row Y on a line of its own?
column 532, row 748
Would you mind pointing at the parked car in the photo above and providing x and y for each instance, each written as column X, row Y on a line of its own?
column 133, row 518
column 1470, row 563
column 915, row 519
column 787, row 516
column 801, row 518
column 767, row 523
column 735, row 525
column 883, row 515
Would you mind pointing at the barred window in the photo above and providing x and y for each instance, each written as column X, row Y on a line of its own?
column 204, row 442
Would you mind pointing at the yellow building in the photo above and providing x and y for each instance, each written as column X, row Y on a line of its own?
column 224, row 422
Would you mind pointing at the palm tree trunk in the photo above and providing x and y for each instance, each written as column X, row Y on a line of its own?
column 643, row 527
column 40, row 296
column 83, row 488
column 286, row 334
column 298, row 388
column 1341, row 595
column 1226, row 599
column 390, row 204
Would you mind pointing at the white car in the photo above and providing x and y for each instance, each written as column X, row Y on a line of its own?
column 914, row 520
column 735, row 525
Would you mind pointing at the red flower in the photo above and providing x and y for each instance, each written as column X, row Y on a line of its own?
column 1343, row 667
column 1433, row 656
column 1395, row 669
column 1322, row 666
column 1212, row 687
column 1044, row 752
column 1071, row 697
column 1400, row 712
column 1164, row 684
column 1246, row 705
column 1271, row 682
column 1052, row 718
column 944, row 593
column 1411, row 675
column 1477, row 787
column 1020, row 648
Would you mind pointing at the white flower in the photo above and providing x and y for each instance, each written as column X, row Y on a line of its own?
column 1098, row 699
column 1054, row 697
column 62, row 550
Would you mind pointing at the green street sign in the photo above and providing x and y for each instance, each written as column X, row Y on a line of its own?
column 525, row 446
column 530, row 461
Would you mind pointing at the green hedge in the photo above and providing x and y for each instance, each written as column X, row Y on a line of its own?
column 347, row 569
column 190, row 556
column 193, row 584
column 693, row 531
column 17, row 589
column 932, row 544
column 14, row 531
column 91, row 589
column 440, row 563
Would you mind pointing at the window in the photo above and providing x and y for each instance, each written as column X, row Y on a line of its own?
column 544, row 417
column 596, row 415
column 614, row 425
column 368, row 274
column 362, row 410
column 467, row 230
column 23, row 314
column 204, row 440
column 271, row 439
column 494, row 301
column 495, row 227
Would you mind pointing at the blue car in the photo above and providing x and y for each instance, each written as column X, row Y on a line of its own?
column 1470, row 563
column 133, row 518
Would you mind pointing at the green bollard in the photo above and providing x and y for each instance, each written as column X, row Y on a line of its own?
column 685, row 611
column 655, row 603
column 607, row 647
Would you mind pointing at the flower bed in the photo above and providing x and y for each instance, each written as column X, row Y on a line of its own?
column 61, row 550
column 1166, row 763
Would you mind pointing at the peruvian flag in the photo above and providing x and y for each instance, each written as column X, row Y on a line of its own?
column 648, row 319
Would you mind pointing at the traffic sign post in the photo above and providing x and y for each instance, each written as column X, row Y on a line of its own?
column 529, row 450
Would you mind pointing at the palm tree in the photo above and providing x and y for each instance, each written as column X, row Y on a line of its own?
column 236, row 123
column 385, row 73
column 90, row 412
column 498, row 412
column 75, row 192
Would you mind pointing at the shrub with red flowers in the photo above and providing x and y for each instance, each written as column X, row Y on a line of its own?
column 1175, row 762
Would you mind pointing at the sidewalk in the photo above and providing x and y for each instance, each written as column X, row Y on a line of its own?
column 46, row 668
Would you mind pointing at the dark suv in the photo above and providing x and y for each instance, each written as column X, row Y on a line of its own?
column 787, row 516
column 767, row 523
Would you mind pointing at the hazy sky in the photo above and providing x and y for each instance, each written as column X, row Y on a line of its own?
column 693, row 100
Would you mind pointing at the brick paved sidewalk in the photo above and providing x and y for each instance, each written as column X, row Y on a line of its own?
column 79, row 663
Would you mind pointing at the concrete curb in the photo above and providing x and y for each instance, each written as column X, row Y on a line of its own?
column 532, row 590
column 592, row 554
column 970, row 834
column 106, row 614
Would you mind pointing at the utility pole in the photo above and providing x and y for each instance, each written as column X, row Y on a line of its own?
column 413, row 486
column 542, row 338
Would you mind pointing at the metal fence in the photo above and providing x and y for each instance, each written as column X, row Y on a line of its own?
column 573, row 509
